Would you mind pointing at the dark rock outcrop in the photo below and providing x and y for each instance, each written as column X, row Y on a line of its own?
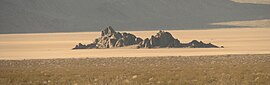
column 120, row 43
column 129, row 39
column 81, row 46
column 146, row 43
column 108, row 31
column 197, row 44
column 138, row 40
column 112, row 39
column 163, row 39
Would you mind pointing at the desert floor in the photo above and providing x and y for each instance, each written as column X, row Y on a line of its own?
column 182, row 70
column 244, row 60
column 59, row 45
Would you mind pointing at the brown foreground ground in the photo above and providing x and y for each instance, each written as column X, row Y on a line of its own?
column 182, row 70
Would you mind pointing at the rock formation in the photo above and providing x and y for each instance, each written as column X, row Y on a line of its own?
column 163, row 39
column 112, row 39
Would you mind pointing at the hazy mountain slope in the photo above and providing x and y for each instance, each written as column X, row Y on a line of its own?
column 92, row 15
column 253, row 1
column 252, row 23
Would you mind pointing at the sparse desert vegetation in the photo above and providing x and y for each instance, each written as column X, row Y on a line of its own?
column 181, row 70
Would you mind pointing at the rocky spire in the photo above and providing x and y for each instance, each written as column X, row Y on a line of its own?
column 108, row 31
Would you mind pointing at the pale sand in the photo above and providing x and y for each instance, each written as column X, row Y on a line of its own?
column 58, row 45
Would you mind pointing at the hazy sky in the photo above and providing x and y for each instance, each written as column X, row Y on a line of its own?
column 24, row 16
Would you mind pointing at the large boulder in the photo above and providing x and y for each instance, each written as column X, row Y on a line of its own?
column 129, row 39
column 200, row 44
column 91, row 46
column 146, row 43
column 176, row 43
column 109, row 39
column 112, row 43
column 119, row 43
column 138, row 40
column 154, row 41
column 165, row 38
column 210, row 45
column 108, row 31
column 102, row 43
column 82, row 46
column 117, row 35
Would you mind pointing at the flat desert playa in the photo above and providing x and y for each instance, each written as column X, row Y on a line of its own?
column 59, row 45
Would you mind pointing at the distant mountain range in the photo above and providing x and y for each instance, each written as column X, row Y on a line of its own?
column 253, row 1
column 31, row 16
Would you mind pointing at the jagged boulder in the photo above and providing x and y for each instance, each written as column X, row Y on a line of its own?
column 165, row 38
column 82, row 46
column 92, row 45
column 129, row 39
column 138, row 40
column 176, row 43
column 120, row 43
column 102, row 43
column 117, row 35
column 146, row 43
column 200, row 44
column 110, row 39
column 108, row 31
column 112, row 42
column 154, row 41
